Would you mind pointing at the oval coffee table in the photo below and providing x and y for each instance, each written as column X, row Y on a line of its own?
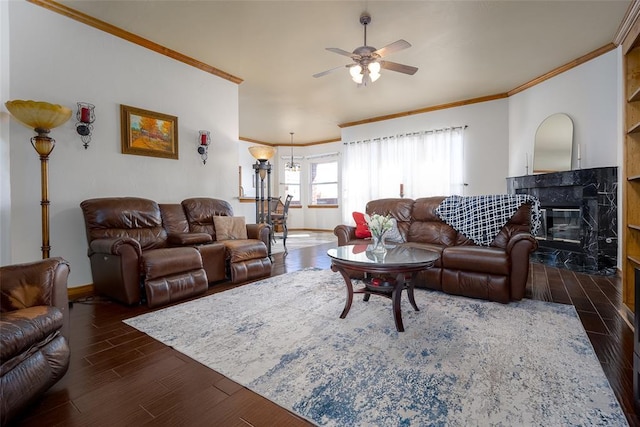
column 398, row 261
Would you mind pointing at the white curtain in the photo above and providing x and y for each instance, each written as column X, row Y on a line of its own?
column 428, row 163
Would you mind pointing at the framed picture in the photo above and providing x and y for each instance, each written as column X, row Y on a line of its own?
column 146, row 133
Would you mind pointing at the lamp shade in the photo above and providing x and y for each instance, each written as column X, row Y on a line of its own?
column 37, row 114
column 262, row 152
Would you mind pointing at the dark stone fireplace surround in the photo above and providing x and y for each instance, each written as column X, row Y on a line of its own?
column 592, row 191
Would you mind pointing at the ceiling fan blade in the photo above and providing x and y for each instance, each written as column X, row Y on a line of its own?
column 393, row 47
column 324, row 73
column 401, row 68
column 342, row 52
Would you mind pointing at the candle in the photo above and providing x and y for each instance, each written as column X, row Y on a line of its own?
column 401, row 189
column 203, row 139
column 579, row 156
column 84, row 115
column 526, row 160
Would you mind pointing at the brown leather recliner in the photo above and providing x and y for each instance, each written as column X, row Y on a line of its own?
column 497, row 272
column 34, row 352
column 167, row 252
column 246, row 259
column 130, row 257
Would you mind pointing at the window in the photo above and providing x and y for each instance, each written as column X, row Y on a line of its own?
column 324, row 183
column 420, row 164
column 292, row 184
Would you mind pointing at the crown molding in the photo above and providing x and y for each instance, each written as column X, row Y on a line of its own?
column 133, row 38
column 630, row 17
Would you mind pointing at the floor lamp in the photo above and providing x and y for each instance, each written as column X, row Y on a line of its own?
column 262, row 168
column 41, row 117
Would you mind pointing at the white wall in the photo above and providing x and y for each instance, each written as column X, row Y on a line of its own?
column 589, row 94
column 5, row 164
column 56, row 59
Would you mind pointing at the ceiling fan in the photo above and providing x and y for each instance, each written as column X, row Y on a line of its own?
column 368, row 60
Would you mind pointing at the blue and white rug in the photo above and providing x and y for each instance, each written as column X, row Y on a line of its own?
column 460, row 361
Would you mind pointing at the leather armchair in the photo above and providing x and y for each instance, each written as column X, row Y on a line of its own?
column 34, row 351
column 129, row 254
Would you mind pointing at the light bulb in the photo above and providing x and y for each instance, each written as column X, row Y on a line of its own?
column 356, row 73
column 374, row 68
column 374, row 71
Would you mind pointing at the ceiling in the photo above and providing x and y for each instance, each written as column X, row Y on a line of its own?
column 463, row 49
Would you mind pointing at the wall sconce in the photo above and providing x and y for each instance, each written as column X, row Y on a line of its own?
column 204, row 139
column 85, row 116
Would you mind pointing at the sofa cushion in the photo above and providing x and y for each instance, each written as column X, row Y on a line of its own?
column 189, row 239
column 433, row 232
column 394, row 235
column 137, row 218
column 480, row 259
column 362, row 229
column 170, row 261
column 400, row 209
column 230, row 228
column 243, row 250
column 200, row 212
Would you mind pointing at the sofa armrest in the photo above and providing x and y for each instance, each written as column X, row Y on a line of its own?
column 114, row 246
column 345, row 234
column 49, row 276
column 524, row 240
column 261, row 231
column 518, row 249
column 189, row 239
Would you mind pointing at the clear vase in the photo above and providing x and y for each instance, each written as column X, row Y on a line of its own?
column 377, row 243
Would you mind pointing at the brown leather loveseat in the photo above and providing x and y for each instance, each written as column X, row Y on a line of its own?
column 140, row 249
column 497, row 272
column 34, row 352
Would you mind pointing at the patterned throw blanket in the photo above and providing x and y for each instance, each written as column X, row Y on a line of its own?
column 480, row 218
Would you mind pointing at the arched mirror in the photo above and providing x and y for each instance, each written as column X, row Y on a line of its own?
column 552, row 146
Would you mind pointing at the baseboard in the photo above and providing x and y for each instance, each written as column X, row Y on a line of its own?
column 80, row 291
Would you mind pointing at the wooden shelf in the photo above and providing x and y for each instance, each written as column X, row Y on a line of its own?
column 633, row 178
column 634, row 227
column 635, row 128
column 635, row 96
column 634, row 259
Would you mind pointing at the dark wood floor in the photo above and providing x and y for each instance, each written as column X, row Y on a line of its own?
column 119, row 376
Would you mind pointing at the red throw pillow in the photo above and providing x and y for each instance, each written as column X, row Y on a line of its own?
column 362, row 229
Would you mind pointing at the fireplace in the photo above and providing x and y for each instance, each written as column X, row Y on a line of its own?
column 579, row 218
column 560, row 225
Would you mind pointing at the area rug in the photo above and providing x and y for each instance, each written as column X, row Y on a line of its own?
column 460, row 361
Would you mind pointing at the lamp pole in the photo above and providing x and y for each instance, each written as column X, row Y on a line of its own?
column 41, row 117
column 44, row 145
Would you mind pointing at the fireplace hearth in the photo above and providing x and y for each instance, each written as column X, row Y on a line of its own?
column 579, row 218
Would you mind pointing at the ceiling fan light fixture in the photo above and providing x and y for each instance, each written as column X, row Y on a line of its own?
column 356, row 73
column 374, row 71
column 374, row 68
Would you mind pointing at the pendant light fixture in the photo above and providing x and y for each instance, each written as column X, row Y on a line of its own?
column 291, row 165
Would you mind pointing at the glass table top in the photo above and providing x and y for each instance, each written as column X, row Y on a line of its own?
column 395, row 255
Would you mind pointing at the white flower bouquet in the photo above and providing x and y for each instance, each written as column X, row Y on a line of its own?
column 378, row 224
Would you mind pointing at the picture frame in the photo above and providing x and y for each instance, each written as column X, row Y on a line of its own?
column 148, row 133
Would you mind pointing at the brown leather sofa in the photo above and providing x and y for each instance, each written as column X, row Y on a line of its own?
column 34, row 352
column 141, row 250
column 497, row 272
